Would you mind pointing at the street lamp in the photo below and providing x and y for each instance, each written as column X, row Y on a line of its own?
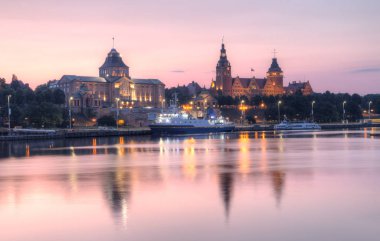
column 279, row 114
column 117, row 113
column 9, row 113
column 369, row 110
column 312, row 110
column 344, row 111
column 242, row 110
column 163, row 104
column 70, row 100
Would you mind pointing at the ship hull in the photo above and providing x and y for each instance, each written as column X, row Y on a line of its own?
column 175, row 130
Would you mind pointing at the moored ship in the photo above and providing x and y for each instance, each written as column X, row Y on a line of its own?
column 183, row 123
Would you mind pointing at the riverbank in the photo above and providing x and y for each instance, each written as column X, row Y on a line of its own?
column 327, row 126
column 31, row 134
column 35, row 134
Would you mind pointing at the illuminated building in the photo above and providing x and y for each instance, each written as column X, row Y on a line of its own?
column 114, row 82
column 223, row 81
column 304, row 87
column 272, row 85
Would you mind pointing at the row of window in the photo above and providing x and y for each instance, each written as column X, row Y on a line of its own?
column 76, row 103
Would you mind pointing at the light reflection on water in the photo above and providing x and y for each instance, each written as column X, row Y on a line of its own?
column 239, row 186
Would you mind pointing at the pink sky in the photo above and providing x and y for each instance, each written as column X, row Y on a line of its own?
column 334, row 44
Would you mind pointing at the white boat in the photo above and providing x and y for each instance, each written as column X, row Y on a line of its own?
column 183, row 123
column 304, row 125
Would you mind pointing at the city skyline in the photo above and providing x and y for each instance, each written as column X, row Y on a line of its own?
column 334, row 47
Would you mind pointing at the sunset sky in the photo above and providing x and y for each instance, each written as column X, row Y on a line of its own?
column 333, row 43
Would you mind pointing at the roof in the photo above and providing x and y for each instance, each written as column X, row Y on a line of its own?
column 204, row 94
column 84, row 78
column 245, row 82
column 113, row 60
column 274, row 66
column 294, row 86
column 193, row 84
column 148, row 81
column 261, row 83
column 113, row 79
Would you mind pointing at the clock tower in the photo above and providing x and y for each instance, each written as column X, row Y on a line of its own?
column 223, row 80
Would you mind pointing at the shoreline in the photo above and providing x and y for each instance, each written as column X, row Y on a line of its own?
column 75, row 133
column 90, row 133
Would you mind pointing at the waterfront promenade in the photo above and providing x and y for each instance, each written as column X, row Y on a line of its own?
column 325, row 126
column 41, row 134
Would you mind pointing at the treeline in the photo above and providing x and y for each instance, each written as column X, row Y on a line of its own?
column 183, row 94
column 43, row 107
column 328, row 106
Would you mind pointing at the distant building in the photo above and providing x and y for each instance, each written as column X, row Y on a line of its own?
column 52, row 84
column 273, row 84
column 114, row 83
column 223, row 80
column 203, row 101
column 275, row 80
column 194, row 88
column 304, row 87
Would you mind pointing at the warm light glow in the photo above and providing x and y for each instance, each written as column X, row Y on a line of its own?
column 94, row 146
column 187, row 107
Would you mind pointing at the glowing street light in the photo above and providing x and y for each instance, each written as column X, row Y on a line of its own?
column 279, row 114
column 9, row 113
column 369, row 110
column 312, row 110
column 163, row 105
column 242, row 109
column 117, row 112
column 344, row 110
column 70, row 100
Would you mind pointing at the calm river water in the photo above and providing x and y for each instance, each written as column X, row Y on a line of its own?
column 240, row 186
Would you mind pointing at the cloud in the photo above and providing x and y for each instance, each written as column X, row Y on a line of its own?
column 177, row 71
column 366, row 70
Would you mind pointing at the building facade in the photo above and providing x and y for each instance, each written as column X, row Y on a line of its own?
column 302, row 87
column 223, row 80
column 114, row 84
column 272, row 85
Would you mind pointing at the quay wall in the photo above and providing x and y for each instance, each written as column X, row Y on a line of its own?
column 76, row 134
column 84, row 133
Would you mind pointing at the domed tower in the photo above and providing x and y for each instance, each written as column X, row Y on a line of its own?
column 114, row 66
column 223, row 81
column 275, row 79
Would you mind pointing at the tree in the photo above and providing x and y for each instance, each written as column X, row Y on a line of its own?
column 45, row 114
column 59, row 97
column 107, row 120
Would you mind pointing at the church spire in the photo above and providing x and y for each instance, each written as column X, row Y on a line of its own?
column 223, row 52
column 223, row 80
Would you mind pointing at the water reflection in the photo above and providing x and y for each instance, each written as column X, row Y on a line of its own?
column 245, row 177
column 117, row 191
column 226, row 182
